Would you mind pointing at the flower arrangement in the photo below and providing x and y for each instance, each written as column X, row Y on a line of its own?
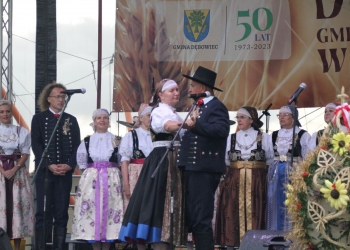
column 318, row 196
column 336, row 194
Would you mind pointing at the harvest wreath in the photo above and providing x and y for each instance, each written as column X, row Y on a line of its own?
column 317, row 196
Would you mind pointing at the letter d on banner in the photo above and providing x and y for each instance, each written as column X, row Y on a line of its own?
column 320, row 9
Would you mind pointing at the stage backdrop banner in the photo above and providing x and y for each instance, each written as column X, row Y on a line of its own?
column 262, row 50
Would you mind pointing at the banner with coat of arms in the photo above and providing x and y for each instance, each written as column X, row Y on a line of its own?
column 262, row 50
column 196, row 24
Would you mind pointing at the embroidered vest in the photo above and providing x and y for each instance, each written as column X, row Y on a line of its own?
column 297, row 145
column 113, row 158
column 257, row 154
column 136, row 153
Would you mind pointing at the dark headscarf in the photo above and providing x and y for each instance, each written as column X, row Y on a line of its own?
column 292, row 109
column 257, row 124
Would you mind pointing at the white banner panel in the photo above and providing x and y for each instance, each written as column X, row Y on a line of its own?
column 223, row 30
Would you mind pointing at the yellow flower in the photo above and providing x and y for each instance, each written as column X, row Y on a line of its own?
column 287, row 201
column 340, row 143
column 288, row 195
column 336, row 194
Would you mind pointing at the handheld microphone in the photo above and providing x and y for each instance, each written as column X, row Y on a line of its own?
column 302, row 86
column 74, row 91
column 196, row 96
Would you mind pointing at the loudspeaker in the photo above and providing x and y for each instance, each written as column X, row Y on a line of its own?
column 265, row 239
column 4, row 240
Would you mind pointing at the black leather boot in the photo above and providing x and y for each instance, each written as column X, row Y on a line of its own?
column 39, row 242
column 59, row 238
column 204, row 241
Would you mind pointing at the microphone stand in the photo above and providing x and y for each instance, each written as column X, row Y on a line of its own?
column 171, row 148
column 294, row 124
column 267, row 114
column 118, row 123
column 45, row 156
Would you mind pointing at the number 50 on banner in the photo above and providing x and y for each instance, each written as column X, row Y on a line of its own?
column 259, row 30
column 227, row 30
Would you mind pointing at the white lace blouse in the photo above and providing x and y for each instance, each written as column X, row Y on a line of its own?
column 312, row 142
column 284, row 139
column 246, row 141
column 161, row 115
column 126, row 145
column 9, row 139
column 101, row 148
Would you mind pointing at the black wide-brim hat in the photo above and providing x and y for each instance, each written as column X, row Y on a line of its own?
column 204, row 76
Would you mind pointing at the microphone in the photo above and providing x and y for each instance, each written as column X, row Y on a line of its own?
column 74, row 91
column 302, row 86
column 196, row 96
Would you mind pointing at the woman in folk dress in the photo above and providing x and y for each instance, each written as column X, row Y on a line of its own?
column 98, row 210
column 148, row 215
column 134, row 148
column 242, row 200
column 16, row 197
column 329, row 110
column 278, row 174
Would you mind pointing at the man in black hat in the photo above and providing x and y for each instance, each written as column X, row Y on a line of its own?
column 202, row 155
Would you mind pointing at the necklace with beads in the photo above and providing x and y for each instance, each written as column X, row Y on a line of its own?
column 8, row 138
column 245, row 147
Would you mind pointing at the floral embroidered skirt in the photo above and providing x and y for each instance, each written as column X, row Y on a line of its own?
column 98, row 211
column 147, row 217
column 22, row 208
